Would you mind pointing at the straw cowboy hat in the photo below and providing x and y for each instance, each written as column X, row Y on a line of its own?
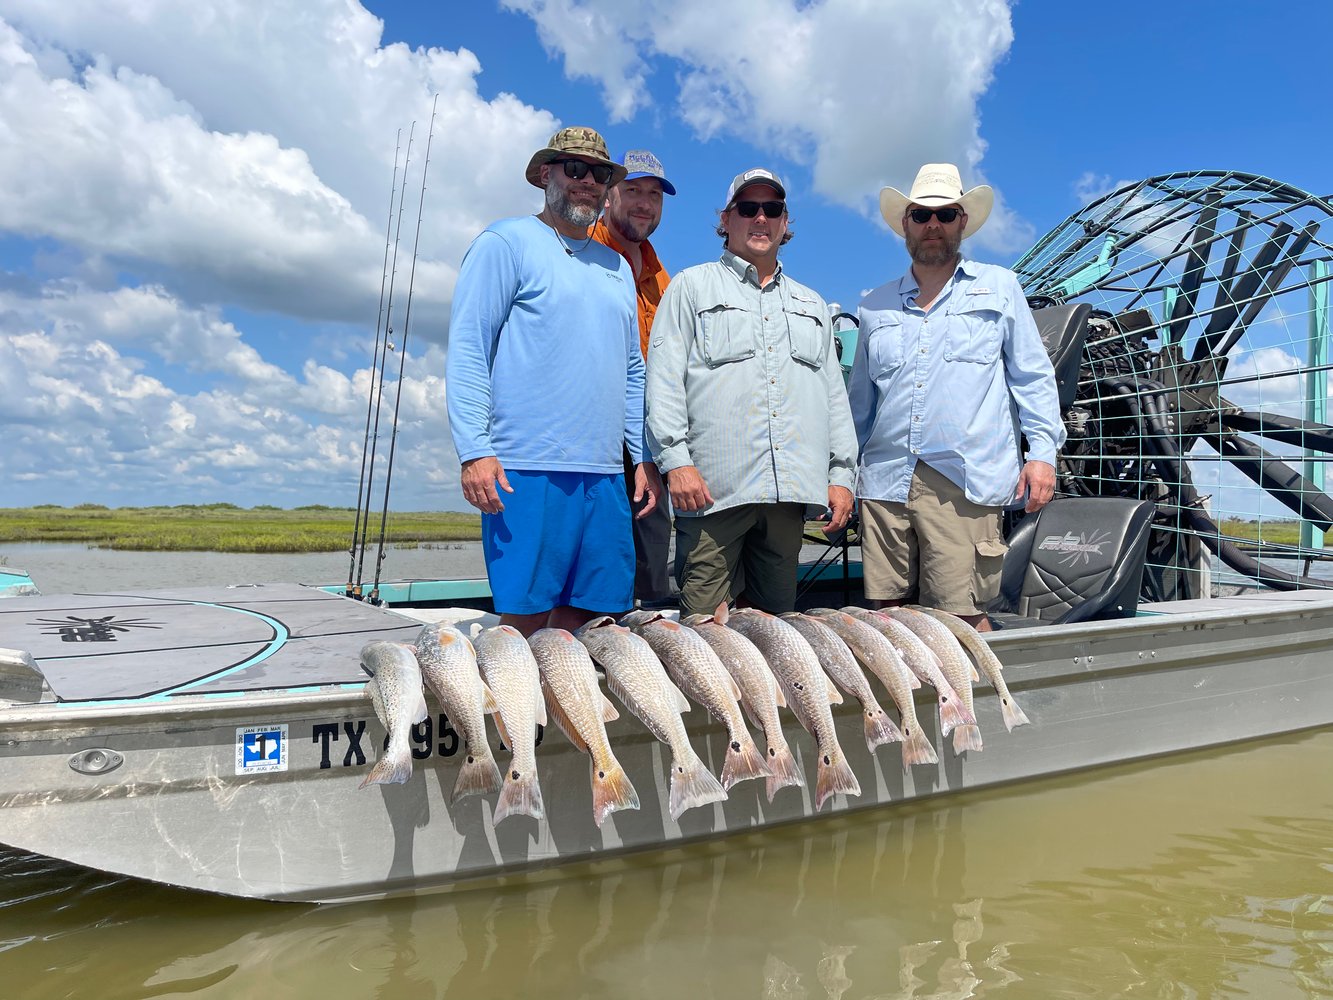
column 936, row 185
column 577, row 140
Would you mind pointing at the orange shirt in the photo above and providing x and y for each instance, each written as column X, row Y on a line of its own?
column 650, row 284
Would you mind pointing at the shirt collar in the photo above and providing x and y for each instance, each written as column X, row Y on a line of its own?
column 907, row 284
column 744, row 270
column 605, row 234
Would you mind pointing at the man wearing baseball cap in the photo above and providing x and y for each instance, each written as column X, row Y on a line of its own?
column 949, row 369
column 747, row 414
column 545, row 391
column 633, row 212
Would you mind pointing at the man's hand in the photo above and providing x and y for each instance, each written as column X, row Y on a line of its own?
column 647, row 484
column 688, row 489
column 1037, row 480
column 840, row 506
column 480, row 476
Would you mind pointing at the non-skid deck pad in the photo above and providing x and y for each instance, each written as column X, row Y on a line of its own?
column 94, row 647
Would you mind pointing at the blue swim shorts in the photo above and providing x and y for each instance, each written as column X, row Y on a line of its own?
column 563, row 539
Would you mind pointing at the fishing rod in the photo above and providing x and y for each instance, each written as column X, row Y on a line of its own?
column 402, row 356
column 377, row 380
column 362, row 486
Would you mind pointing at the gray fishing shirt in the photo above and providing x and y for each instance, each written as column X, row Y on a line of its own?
column 744, row 384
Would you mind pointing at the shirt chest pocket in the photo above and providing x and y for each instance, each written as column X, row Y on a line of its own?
column 884, row 345
column 728, row 334
column 976, row 330
column 805, row 332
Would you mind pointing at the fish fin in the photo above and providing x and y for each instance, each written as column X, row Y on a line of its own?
column 419, row 710
column 835, row 776
column 562, row 722
column 692, row 785
column 976, row 677
column 952, row 712
column 783, row 771
column 475, row 630
column 1013, row 715
column 391, row 769
column 735, row 689
column 488, row 699
column 743, row 761
column 479, row 775
column 520, row 796
column 611, row 790
column 722, row 614
column 503, row 730
column 880, row 729
column 377, row 701
column 966, row 737
column 540, row 717
column 682, row 703
column 917, row 749
column 609, row 712
column 626, row 699
column 834, row 697
column 782, row 698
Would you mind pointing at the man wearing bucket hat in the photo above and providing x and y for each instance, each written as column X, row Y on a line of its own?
column 747, row 413
column 545, row 390
column 949, row 369
column 633, row 211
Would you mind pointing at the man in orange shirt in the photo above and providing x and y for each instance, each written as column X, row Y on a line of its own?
column 633, row 210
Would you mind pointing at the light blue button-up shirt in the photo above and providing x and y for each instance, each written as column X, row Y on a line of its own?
column 952, row 387
column 744, row 384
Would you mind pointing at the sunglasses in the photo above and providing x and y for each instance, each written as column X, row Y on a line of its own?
column 772, row 209
column 578, row 169
column 922, row 215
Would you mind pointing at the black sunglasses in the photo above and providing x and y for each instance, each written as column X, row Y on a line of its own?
column 946, row 215
column 772, row 209
column 578, row 169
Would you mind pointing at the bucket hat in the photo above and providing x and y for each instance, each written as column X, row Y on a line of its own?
column 577, row 140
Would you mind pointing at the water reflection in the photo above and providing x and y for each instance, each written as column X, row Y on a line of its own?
column 1101, row 886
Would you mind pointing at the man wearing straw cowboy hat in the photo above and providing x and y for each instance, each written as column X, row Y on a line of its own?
column 545, row 388
column 949, row 370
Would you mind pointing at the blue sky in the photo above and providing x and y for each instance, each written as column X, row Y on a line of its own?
column 193, row 197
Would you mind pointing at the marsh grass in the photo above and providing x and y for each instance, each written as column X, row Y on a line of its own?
column 225, row 527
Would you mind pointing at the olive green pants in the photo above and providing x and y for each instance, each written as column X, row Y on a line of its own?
column 749, row 551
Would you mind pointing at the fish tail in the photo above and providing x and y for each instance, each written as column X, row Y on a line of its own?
column 1013, row 715
column 611, row 790
column 917, row 749
column 966, row 737
column 692, row 785
column 782, row 770
column 744, row 761
column 478, row 776
column 394, row 768
column 953, row 713
column 880, row 729
column 835, row 776
column 521, row 795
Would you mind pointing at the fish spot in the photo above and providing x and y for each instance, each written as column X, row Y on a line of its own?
column 798, row 685
column 514, row 775
column 735, row 745
column 601, row 774
column 471, row 759
column 772, row 752
column 826, row 759
column 680, row 770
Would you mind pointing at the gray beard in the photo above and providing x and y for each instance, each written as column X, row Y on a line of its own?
column 562, row 208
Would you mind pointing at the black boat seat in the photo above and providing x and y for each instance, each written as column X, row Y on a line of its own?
column 1077, row 559
column 1063, row 330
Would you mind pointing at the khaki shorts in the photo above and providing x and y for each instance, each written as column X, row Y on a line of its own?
column 939, row 549
column 752, row 550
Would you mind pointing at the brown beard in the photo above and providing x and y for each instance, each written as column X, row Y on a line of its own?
column 944, row 253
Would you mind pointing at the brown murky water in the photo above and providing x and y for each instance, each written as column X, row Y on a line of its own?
column 1200, row 876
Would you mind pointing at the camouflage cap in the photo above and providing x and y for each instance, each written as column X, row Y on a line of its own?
column 577, row 140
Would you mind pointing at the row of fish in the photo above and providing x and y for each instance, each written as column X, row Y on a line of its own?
column 735, row 664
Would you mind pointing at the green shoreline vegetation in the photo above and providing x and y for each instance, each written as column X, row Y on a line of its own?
column 225, row 527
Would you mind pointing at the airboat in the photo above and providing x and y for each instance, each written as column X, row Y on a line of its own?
column 1172, row 599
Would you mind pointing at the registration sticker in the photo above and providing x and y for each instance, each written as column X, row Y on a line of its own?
column 261, row 749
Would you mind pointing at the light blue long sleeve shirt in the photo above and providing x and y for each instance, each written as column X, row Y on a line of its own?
column 744, row 384
column 544, row 369
column 952, row 387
